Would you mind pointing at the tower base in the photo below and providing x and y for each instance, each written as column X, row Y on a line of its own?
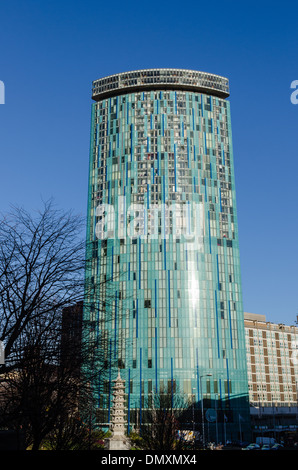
column 115, row 443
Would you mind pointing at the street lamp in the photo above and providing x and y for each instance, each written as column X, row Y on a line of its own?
column 216, row 398
column 202, row 406
column 193, row 416
column 193, row 411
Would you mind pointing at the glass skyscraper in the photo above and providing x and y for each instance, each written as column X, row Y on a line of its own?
column 164, row 287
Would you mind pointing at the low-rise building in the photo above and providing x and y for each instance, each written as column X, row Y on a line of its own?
column 272, row 364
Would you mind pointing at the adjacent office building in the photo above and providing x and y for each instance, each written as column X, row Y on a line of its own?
column 272, row 361
column 164, row 293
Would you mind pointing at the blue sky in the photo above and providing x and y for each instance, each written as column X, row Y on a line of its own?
column 52, row 50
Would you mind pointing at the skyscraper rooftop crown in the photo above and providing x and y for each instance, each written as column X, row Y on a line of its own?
column 149, row 79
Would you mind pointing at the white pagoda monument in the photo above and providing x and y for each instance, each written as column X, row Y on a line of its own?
column 118, row 441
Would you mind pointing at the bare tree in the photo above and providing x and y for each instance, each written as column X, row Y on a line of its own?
column 165, row 416
column 46, row 389
column 45, row 267
column 45, row 394
column 41, row 272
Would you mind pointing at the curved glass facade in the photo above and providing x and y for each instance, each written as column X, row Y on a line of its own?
column 163, row 243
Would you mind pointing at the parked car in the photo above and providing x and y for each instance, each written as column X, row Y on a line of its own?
column 277, row 447
column 252, row 446
column 265, row 447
